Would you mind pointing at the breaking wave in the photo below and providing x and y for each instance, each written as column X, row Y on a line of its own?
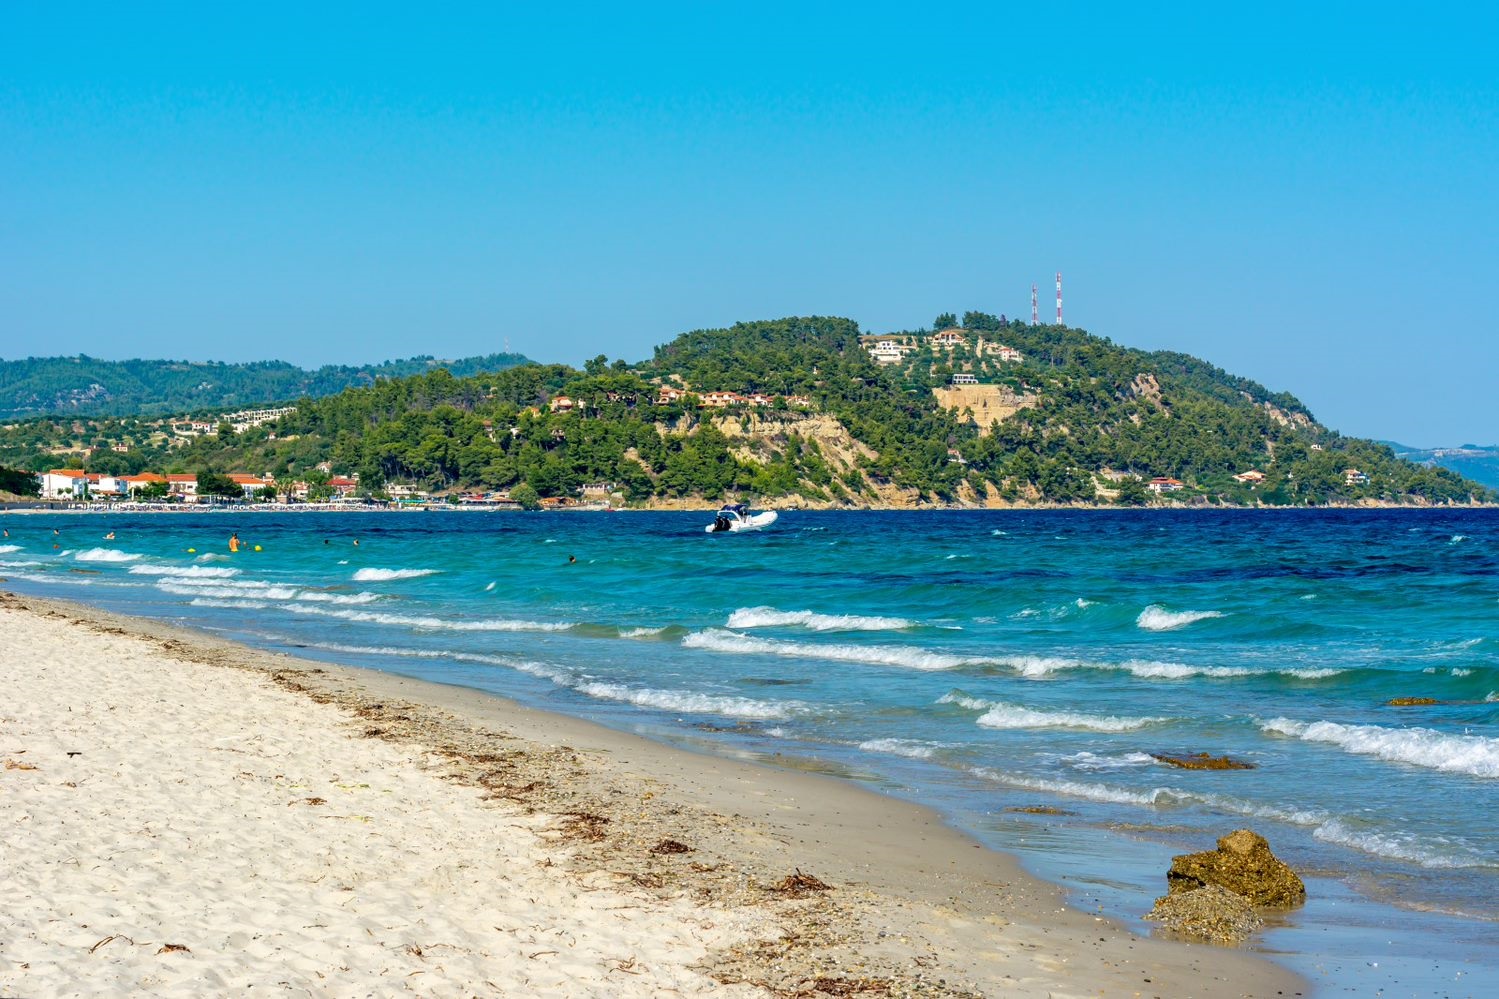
column 769, row 617
column 913, row 749
column 105, row 555
column 1422, row 747
column 718, row 640
column 1157, row 618
column 382, row 575
column 686, row 701
column 198, row 571
column 433, row 623
column 998, row 714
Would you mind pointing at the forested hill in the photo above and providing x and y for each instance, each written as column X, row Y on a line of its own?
column 810, row 411
column 87, row 386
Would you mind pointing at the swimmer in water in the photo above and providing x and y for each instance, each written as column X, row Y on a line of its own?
column 110, row 536
column 356, row 542
column 234, row 542
column 572, row 559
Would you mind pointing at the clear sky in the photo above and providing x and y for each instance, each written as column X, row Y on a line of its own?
column 1301, row 194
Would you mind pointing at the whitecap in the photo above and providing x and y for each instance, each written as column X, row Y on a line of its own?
column 770, row 617
column 962, row 700
column 688, row 702
column 202, row 571
column 1095, row 762
column 432, row 623
column 104, row 555
column 382, row 575
column 222, row 590
column 7, row 549
column 1013, row 716
column 1087, row 790
column 718, row 640
column 913, row 749
column 235, row 604
column 1422, row 747
column 1157, row 618
column 324, row 597
column 641, row 632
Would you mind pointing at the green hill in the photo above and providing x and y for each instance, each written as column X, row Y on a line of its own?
column 87, row 386
column 989, row 413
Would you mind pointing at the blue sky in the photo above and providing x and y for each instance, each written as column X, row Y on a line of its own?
column 1305, row 197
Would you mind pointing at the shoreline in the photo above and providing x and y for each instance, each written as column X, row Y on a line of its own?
column 706, row 506
column 914, row 903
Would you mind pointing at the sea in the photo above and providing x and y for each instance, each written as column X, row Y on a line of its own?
column 978, row 662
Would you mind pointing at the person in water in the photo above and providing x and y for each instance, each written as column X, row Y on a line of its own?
column 234, row 542
column 572, row 559
column 110, row 536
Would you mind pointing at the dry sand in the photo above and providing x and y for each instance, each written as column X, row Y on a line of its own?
column 187, row 816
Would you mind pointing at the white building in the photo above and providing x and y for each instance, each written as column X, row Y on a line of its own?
column 63, row 483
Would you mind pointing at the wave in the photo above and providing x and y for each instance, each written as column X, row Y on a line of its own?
column 105, row 555
column 1083, row 789
column 1094, row 762
column 7, row 549
column 433, row 623
column 1422, row 747
column 1157, row 618
column 1150, row 669
column 223, row 590
column 687, row 701
column 235, row 604
column 1012, row 716
column 382, row 575
column 659, row 632
column 913, row 749
column 199, row 571
column 718, row 640
column 769, row 617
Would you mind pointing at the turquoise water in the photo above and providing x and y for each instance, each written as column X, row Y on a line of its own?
column 975, row 661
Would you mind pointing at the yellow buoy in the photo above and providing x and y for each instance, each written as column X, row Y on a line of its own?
column 192, row 551
column 257, row 548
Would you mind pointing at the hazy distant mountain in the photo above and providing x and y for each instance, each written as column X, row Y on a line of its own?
column 87, row 386
column 1473, row 461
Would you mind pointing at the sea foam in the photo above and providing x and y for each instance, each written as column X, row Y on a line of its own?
column 1422, row 747
column 1012, row 716
column 686, row 701
column 1157, row 618
column 770, row 617
column 913, row 749
column 105, row 555
column 383, row 575
column 199, row 571
column 433, row 623
column 718, row 640
column 7, row 549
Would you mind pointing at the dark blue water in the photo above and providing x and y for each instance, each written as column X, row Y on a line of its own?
column 974, row 661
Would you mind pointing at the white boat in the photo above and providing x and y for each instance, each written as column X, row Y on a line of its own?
column 734, row 518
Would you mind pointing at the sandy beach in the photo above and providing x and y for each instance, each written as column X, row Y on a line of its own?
column 186, row 816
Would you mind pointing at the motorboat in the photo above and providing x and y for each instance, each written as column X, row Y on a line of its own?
column 734, row 518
